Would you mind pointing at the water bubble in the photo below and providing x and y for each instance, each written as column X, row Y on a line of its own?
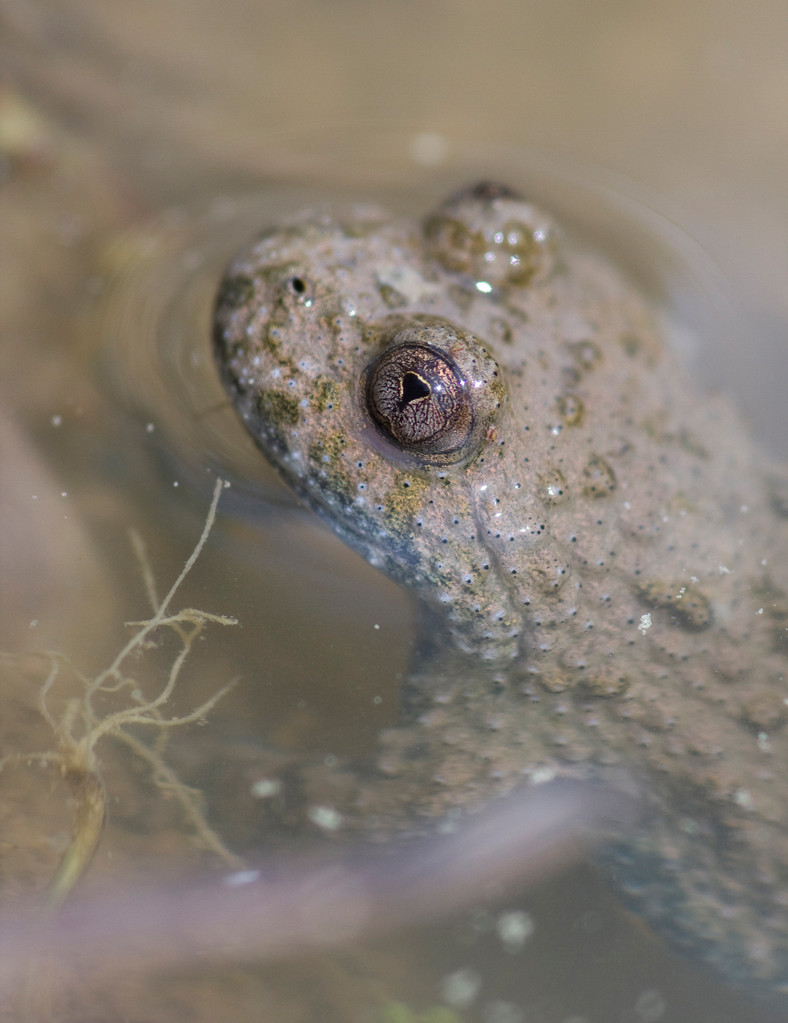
column 266, row 788
column 461, row 987
column 514, row 928
column 499, row 1011
column 650, row 1006
column 325, row 817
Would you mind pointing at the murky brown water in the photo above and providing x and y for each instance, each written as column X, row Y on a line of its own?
column 177, row 128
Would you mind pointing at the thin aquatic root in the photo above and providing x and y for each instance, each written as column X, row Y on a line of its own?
column 80, row 726
column 45, row 759
column 137, row 641
column 190, row 800
column 140, row 549
column 56, row 659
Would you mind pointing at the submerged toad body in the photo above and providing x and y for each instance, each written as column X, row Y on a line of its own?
column 492, row 416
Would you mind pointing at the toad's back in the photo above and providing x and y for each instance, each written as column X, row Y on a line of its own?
column 492, row 417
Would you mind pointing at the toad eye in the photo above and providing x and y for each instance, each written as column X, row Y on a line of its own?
column 433, row 393
column 419, row 398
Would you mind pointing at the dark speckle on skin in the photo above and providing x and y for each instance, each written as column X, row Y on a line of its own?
column 600, row 553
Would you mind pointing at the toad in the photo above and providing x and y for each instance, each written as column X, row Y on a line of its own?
column 493, row 415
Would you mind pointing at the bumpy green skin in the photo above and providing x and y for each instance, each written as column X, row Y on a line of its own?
column 604, row 569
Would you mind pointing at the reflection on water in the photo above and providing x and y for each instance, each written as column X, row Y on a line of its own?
column 114, row 422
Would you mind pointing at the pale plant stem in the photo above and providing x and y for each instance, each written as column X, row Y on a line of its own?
column 206, row 529
column 89, row 795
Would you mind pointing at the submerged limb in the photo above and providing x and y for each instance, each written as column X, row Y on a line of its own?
column 277, row 911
